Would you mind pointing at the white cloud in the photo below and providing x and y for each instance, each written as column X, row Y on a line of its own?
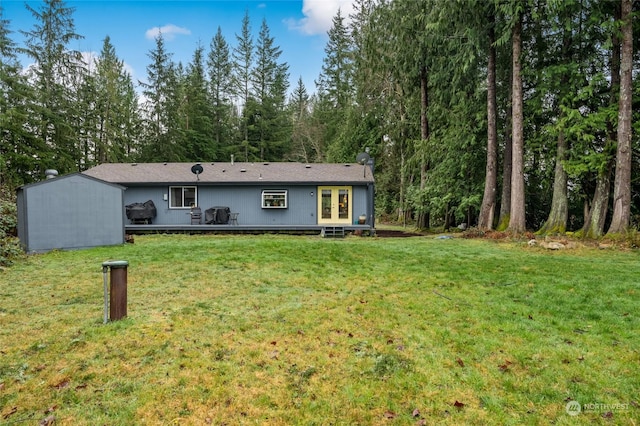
column 168, row 32
column 318, row 15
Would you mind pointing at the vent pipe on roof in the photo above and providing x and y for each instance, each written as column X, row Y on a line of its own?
column 232, row 159
column 50, row 173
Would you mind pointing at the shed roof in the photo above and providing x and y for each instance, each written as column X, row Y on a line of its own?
column 71, row 176
column 233, row 173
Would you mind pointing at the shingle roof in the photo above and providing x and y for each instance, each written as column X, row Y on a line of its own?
column 232, row 173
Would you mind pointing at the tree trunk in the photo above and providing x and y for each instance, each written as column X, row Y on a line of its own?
column 487, row 210
column 402, row 202
column 596, row 216
column 595, row 219
column 505, row 203
column 423, row 217
column 517, row 220
column 622, row 185
column 557, row 221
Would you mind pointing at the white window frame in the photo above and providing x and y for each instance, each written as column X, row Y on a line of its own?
column 275, row 199
column 182, row 201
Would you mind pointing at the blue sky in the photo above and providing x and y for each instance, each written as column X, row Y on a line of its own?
column 298, row 26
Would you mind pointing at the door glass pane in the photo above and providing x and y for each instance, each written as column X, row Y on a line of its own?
column 326, row 204
column 343, row 204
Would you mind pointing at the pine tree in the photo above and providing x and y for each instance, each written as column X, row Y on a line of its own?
column 336, row 78
column 198, row 112
column 162, row 98
column 489, row 199
column 116, row 106
column 622, row 184
column 221, row 91
column 335, row 89
column 269, row 83
column 86, row 115
column 55, row 71
column 21, row 154
column 594, row 221
column 517, row 219
column 242, row 56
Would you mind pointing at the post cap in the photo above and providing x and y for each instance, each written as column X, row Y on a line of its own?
column 115, row 264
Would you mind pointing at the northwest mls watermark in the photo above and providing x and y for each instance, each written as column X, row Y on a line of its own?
column 573, row 408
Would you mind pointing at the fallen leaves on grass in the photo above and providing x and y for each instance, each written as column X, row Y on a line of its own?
column 505, row 367
column 62, row 384
column 459, row 405
column 10, row 413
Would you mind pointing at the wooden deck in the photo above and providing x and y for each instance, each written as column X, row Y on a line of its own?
column 241, row 229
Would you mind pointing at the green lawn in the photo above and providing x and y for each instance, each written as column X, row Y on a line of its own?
column 303, row 330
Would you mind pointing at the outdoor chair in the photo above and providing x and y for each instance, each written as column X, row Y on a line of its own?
column 196, row 215
column 233, row 218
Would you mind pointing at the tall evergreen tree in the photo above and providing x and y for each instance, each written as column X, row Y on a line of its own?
column 242, row 57
column 198, row 112
column 85, row 115
column 56, row 68
column 595, row 217
column 622, row 184
column 560, row 71
column 269, row 84
column 20, row 151
column 221, row 91
column 161, row 94
column 517, row 219
column 489, row 198
column 336, row 78
column 334, row 87
column 115, row 129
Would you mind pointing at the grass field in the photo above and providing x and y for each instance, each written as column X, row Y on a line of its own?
column 291, row 330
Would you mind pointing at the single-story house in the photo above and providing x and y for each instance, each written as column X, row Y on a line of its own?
column 236, row 195
column 74, row 211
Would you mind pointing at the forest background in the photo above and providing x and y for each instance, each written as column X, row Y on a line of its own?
column 507, row 114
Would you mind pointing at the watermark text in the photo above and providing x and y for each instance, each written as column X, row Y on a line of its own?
column 573, row 408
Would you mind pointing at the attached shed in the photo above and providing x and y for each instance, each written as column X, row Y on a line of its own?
column 70, row 212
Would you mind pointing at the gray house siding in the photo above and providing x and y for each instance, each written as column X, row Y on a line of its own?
column 246, row 200
column 70, row 212
column 23, row 235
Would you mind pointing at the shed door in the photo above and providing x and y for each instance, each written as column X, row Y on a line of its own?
column 334, row 204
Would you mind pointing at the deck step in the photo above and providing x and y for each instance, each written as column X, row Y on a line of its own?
column 332, row 232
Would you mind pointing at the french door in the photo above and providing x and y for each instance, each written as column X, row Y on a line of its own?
column 334, row 204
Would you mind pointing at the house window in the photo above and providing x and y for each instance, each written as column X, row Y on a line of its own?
column 274, row 199
column 183, row 197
